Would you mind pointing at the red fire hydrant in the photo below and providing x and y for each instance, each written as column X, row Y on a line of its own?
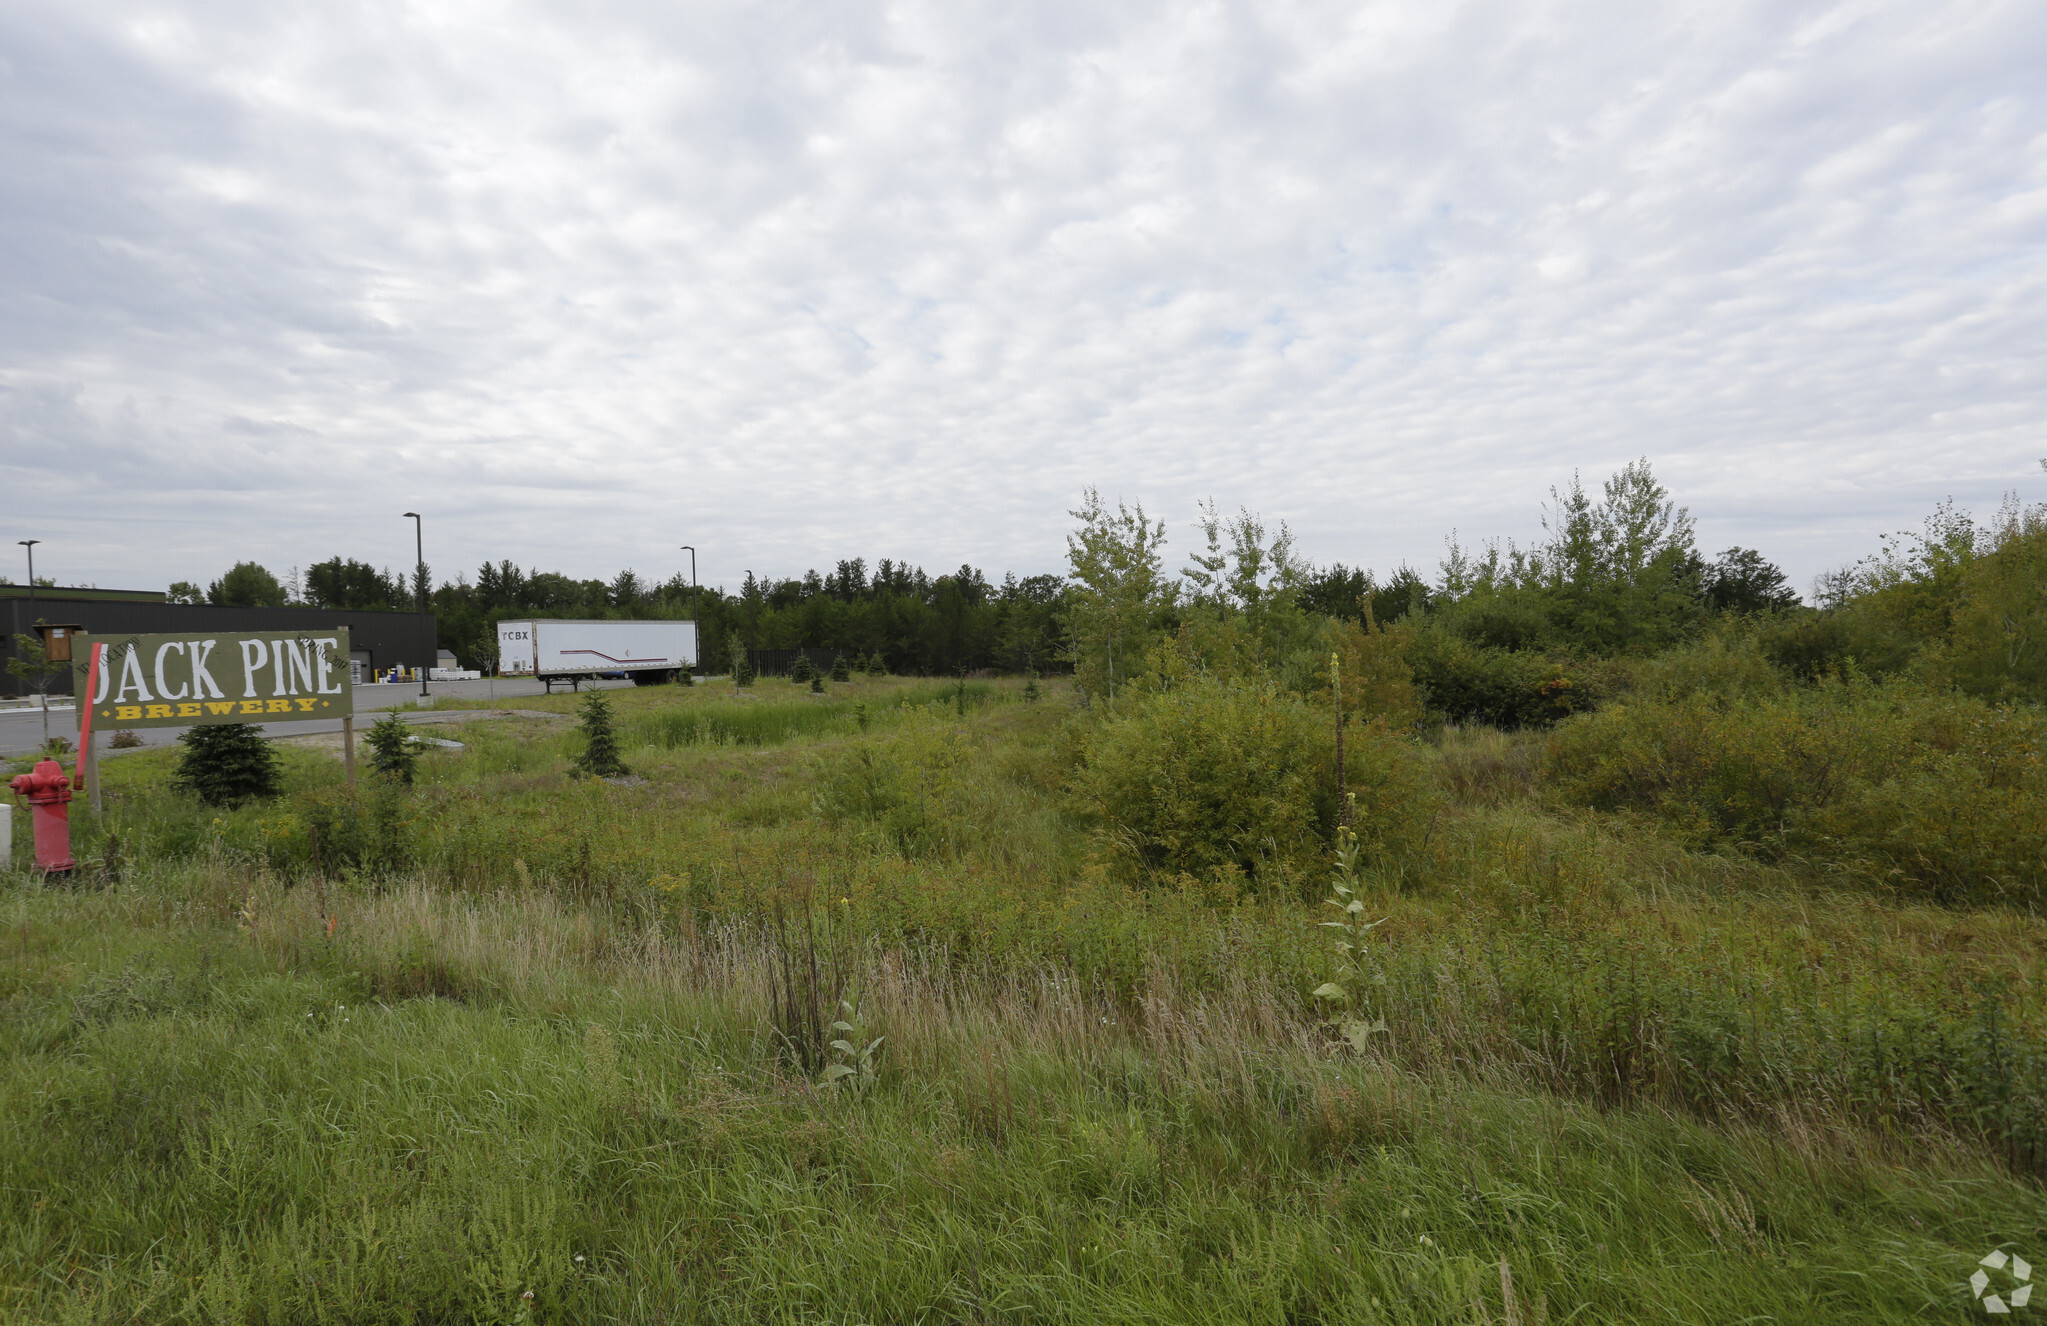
column 47, row 790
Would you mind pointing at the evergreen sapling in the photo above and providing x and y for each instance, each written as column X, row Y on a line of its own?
column 742, row 669
column 392, row 752
column 600, row 756
column 225, row 764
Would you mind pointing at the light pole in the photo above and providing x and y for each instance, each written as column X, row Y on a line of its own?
column 419, row 584
column 30, row 544
column 694, row 604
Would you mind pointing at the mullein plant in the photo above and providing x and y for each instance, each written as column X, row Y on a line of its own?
column 853, row 1061
column 1343, row 999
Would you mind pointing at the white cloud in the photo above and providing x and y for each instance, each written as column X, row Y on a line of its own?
column 797, row 282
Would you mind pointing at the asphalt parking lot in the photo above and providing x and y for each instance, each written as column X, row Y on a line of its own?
column 21, row 731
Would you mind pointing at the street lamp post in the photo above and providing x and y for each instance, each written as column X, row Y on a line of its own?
column 419, row 584
column 695, row 607
column 30, row 544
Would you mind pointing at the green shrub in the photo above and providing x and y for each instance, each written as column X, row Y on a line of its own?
column 1237, row 781
column 225, row 764
column 1933, row 794
column 1728, row 665
column 841, row 670
column 801, row 670
column 910, row 789
column 1461, row 682
column 337, row 830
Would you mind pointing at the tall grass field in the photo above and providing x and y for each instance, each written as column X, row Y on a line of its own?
column 953, row 1002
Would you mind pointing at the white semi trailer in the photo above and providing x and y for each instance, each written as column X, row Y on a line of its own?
column 578, row 651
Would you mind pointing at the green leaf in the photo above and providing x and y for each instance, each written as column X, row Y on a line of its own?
column 1330, row 990
column 835, row 1072
column 1360, row 1034
column 846, row 1027
column 844, row 1047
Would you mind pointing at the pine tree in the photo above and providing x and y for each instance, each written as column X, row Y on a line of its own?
column 816, row 684
column 841, row 672
column 1030, row 690
column 802, row 670
column 600, row 756
column 392, row 752
column 225, row 764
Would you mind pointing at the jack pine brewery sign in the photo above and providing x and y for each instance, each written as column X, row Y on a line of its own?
column 214, row 677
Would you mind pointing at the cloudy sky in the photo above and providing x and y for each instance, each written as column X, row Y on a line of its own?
column 794, row 282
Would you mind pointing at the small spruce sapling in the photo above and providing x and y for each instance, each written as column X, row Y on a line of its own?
column 816, row 684
column 600, row 755
column 842, row 672
column 225, row 764
column 742, row 667
column 1031, row 693
column 1344, row 997
column 801, row 670
column 393, row 753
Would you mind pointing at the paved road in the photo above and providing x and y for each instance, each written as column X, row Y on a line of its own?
column 21, row 732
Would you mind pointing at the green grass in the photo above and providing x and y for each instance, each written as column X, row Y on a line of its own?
column 1661, row 1085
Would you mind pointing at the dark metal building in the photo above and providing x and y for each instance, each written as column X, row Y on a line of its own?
column 377, row 640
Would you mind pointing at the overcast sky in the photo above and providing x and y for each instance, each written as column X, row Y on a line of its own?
column 800, row 282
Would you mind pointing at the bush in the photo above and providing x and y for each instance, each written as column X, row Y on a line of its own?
column 1461, row 682
column 335, row 831
column 1938, row 795
column 841, row 670
column 915, row 791
column 802, row 669
column 1237, row 781
column 393, row 754
column 1813, row 643
column 1727, row 665
column 225, row 764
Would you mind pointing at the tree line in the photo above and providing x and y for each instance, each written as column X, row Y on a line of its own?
column 914, row 622
column 1501, row 633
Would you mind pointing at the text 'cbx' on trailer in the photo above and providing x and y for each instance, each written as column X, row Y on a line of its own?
column 574, row 651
